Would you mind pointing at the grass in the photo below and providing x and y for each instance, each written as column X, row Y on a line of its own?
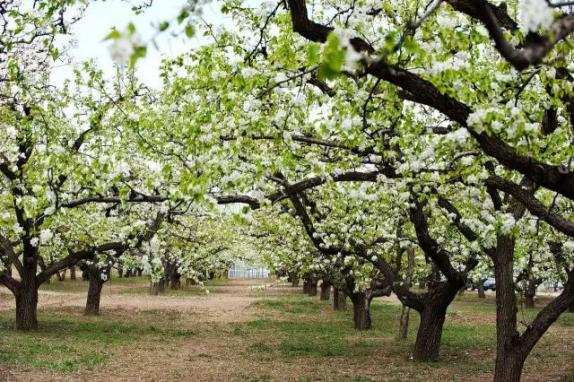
column 64, row 344
column 287, row 337
column 333, row 333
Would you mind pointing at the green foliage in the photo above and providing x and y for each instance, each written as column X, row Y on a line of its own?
column 333, row 57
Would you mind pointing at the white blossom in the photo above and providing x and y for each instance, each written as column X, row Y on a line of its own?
column 535, row 15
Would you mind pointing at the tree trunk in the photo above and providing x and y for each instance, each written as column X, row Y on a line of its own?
column 140, row 272
column 480, row 288
column 312, row 288
column 154, row 287
column 27, row 291
column 404, row 322
column 571, row 309
column 72, row 273
column 339, row 300
column 94, row 294
column 433, row 314
column 528, row 301
column 325, row 290
column 361, row 311
column 405, row 313
column 509, row 361
column 295, row 282
column 27, row 306
column 509, row 366
column 175, row 282
column 529, row 294
column 306, row 285
column 429, row 335
column 61, row 275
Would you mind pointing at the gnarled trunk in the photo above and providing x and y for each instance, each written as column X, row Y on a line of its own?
column 339, row 300
column 361, row 310
column 94, row 294
column 571, row 309
column 429, row 335
column 433, row 314
column 325, row 290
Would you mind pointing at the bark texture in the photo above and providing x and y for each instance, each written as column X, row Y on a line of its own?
column 27, row 307
column 433, row 314
column 509, row 360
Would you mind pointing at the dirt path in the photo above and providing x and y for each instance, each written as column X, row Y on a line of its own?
column 228, row 303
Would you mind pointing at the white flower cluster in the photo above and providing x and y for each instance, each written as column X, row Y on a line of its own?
column 535, row 15
column 124, row 47
column 352, row 57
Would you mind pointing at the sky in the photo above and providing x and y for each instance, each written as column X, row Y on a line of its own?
column 101, row 17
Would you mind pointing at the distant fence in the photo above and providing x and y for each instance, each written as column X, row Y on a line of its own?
column 254, row 273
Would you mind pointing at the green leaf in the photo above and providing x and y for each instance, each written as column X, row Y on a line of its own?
column 333, row 58
column 163, row 25
column 113, row 35
column 140, row 52
column 189, row 31
column 184, row 14
column 313, row 54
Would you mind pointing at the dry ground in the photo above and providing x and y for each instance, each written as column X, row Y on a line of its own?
column 237, row 333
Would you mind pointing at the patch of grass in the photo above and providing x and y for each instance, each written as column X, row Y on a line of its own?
column 567, row 319
column 313, row 337
column 259, row 347
column 478, row 336
column 68, row 286
column 63, row 344
column 182, row 333
column 290, row 305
